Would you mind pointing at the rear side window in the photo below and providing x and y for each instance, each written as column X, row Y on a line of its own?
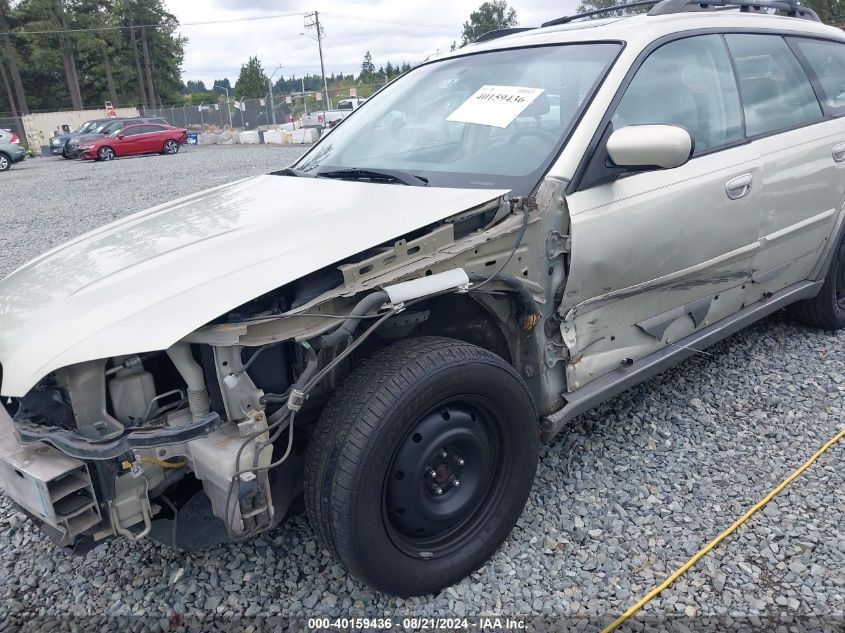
column 776, row 93
column 133, row 131
column 688, row 83
column 827, row 59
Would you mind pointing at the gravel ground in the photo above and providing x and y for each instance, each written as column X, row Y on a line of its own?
column 621, row 499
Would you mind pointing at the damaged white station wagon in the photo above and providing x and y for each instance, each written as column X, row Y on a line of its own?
column 494, row 243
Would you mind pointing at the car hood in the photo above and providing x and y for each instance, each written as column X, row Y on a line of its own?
column 148, row 280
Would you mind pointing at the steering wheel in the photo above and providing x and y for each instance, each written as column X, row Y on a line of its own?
column 531, row 131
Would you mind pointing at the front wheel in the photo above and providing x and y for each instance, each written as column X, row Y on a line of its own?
column 827, row 309
column 421, row 464
column 171, row 147
column 105, row 153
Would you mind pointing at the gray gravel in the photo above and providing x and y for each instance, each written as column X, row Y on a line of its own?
column 621, row 499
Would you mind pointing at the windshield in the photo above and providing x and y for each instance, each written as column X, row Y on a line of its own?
column 85, row 127
column 111, row 128
column 106, row 127
column 490, row 120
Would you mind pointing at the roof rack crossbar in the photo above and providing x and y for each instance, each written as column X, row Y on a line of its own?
column 792, row 8
column 587, row 14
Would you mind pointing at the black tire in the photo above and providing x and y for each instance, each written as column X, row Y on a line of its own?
column 105, row 153
column 65, row 154
column 413, row 418
column 5, row 162
column 827, row 309
column 170, row 147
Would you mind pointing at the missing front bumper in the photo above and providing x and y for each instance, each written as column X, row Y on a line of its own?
column 52, row 487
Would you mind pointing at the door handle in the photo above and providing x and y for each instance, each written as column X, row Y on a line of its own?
column 740, row 186
column 839, row 152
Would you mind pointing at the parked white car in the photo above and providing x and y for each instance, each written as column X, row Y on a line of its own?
column 500, row 240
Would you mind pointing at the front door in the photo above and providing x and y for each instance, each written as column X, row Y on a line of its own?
column 658, row 254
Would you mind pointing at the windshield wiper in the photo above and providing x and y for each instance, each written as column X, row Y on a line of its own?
column 376, row 175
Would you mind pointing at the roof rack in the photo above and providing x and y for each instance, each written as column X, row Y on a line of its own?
column 493, row 35
column 587, row 14
column 666, row 7
column 792, row 8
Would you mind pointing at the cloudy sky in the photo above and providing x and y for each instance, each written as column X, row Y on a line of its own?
column 398, row 30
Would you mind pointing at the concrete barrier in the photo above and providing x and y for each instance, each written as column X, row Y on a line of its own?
column 274, row 137
column 305, row 135
column 248, row 138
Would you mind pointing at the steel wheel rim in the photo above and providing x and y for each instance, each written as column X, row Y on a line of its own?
column 4, row 163
column 444, row 477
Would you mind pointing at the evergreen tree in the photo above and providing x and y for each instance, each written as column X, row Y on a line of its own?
column 490, row 16
column 252, row 81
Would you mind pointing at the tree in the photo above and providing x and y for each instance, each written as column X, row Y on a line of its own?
column 223, row 83
column 194, row 86
column 252, row 81
column 12, row 59
column 367, row 66
column 490, row 16
column 830, row 11
column 81, row 53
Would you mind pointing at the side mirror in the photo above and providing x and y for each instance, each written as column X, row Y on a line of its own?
column 121, row 136
column 640, row 147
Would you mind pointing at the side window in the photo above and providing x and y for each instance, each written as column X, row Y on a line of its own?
column 776, row 93
column 133, row 131
column 689, row 83
column 827, row 59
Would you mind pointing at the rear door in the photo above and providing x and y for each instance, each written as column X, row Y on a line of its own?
column 802, row 184
column 153, row 138
column 659, row 254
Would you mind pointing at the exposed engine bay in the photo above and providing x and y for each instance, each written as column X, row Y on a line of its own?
column 209, row 435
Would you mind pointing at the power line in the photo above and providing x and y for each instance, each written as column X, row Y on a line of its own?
column 156, row 26
column 339, row 16
column 355, row 18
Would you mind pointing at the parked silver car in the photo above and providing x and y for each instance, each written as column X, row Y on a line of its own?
column 392, row 325
column 11, row 149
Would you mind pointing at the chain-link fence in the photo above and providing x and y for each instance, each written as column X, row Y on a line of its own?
column 252, row 114
column 249, row 114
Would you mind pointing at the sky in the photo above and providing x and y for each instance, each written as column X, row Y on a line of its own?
column 397, row 31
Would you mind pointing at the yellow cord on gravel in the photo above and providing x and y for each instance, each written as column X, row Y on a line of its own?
column 692, row 561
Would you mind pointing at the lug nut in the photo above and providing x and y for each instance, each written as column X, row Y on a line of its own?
column 457, row 483
column 443, row 453
column 460, row 461
column 438, row 490
column 432, row 474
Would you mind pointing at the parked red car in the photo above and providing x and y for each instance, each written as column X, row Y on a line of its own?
column 144, row 138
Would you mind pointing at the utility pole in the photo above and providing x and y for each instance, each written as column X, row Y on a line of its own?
column 312, row 21
column 272, row 106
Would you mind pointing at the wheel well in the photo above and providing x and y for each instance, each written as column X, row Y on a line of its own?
column 462, row 318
